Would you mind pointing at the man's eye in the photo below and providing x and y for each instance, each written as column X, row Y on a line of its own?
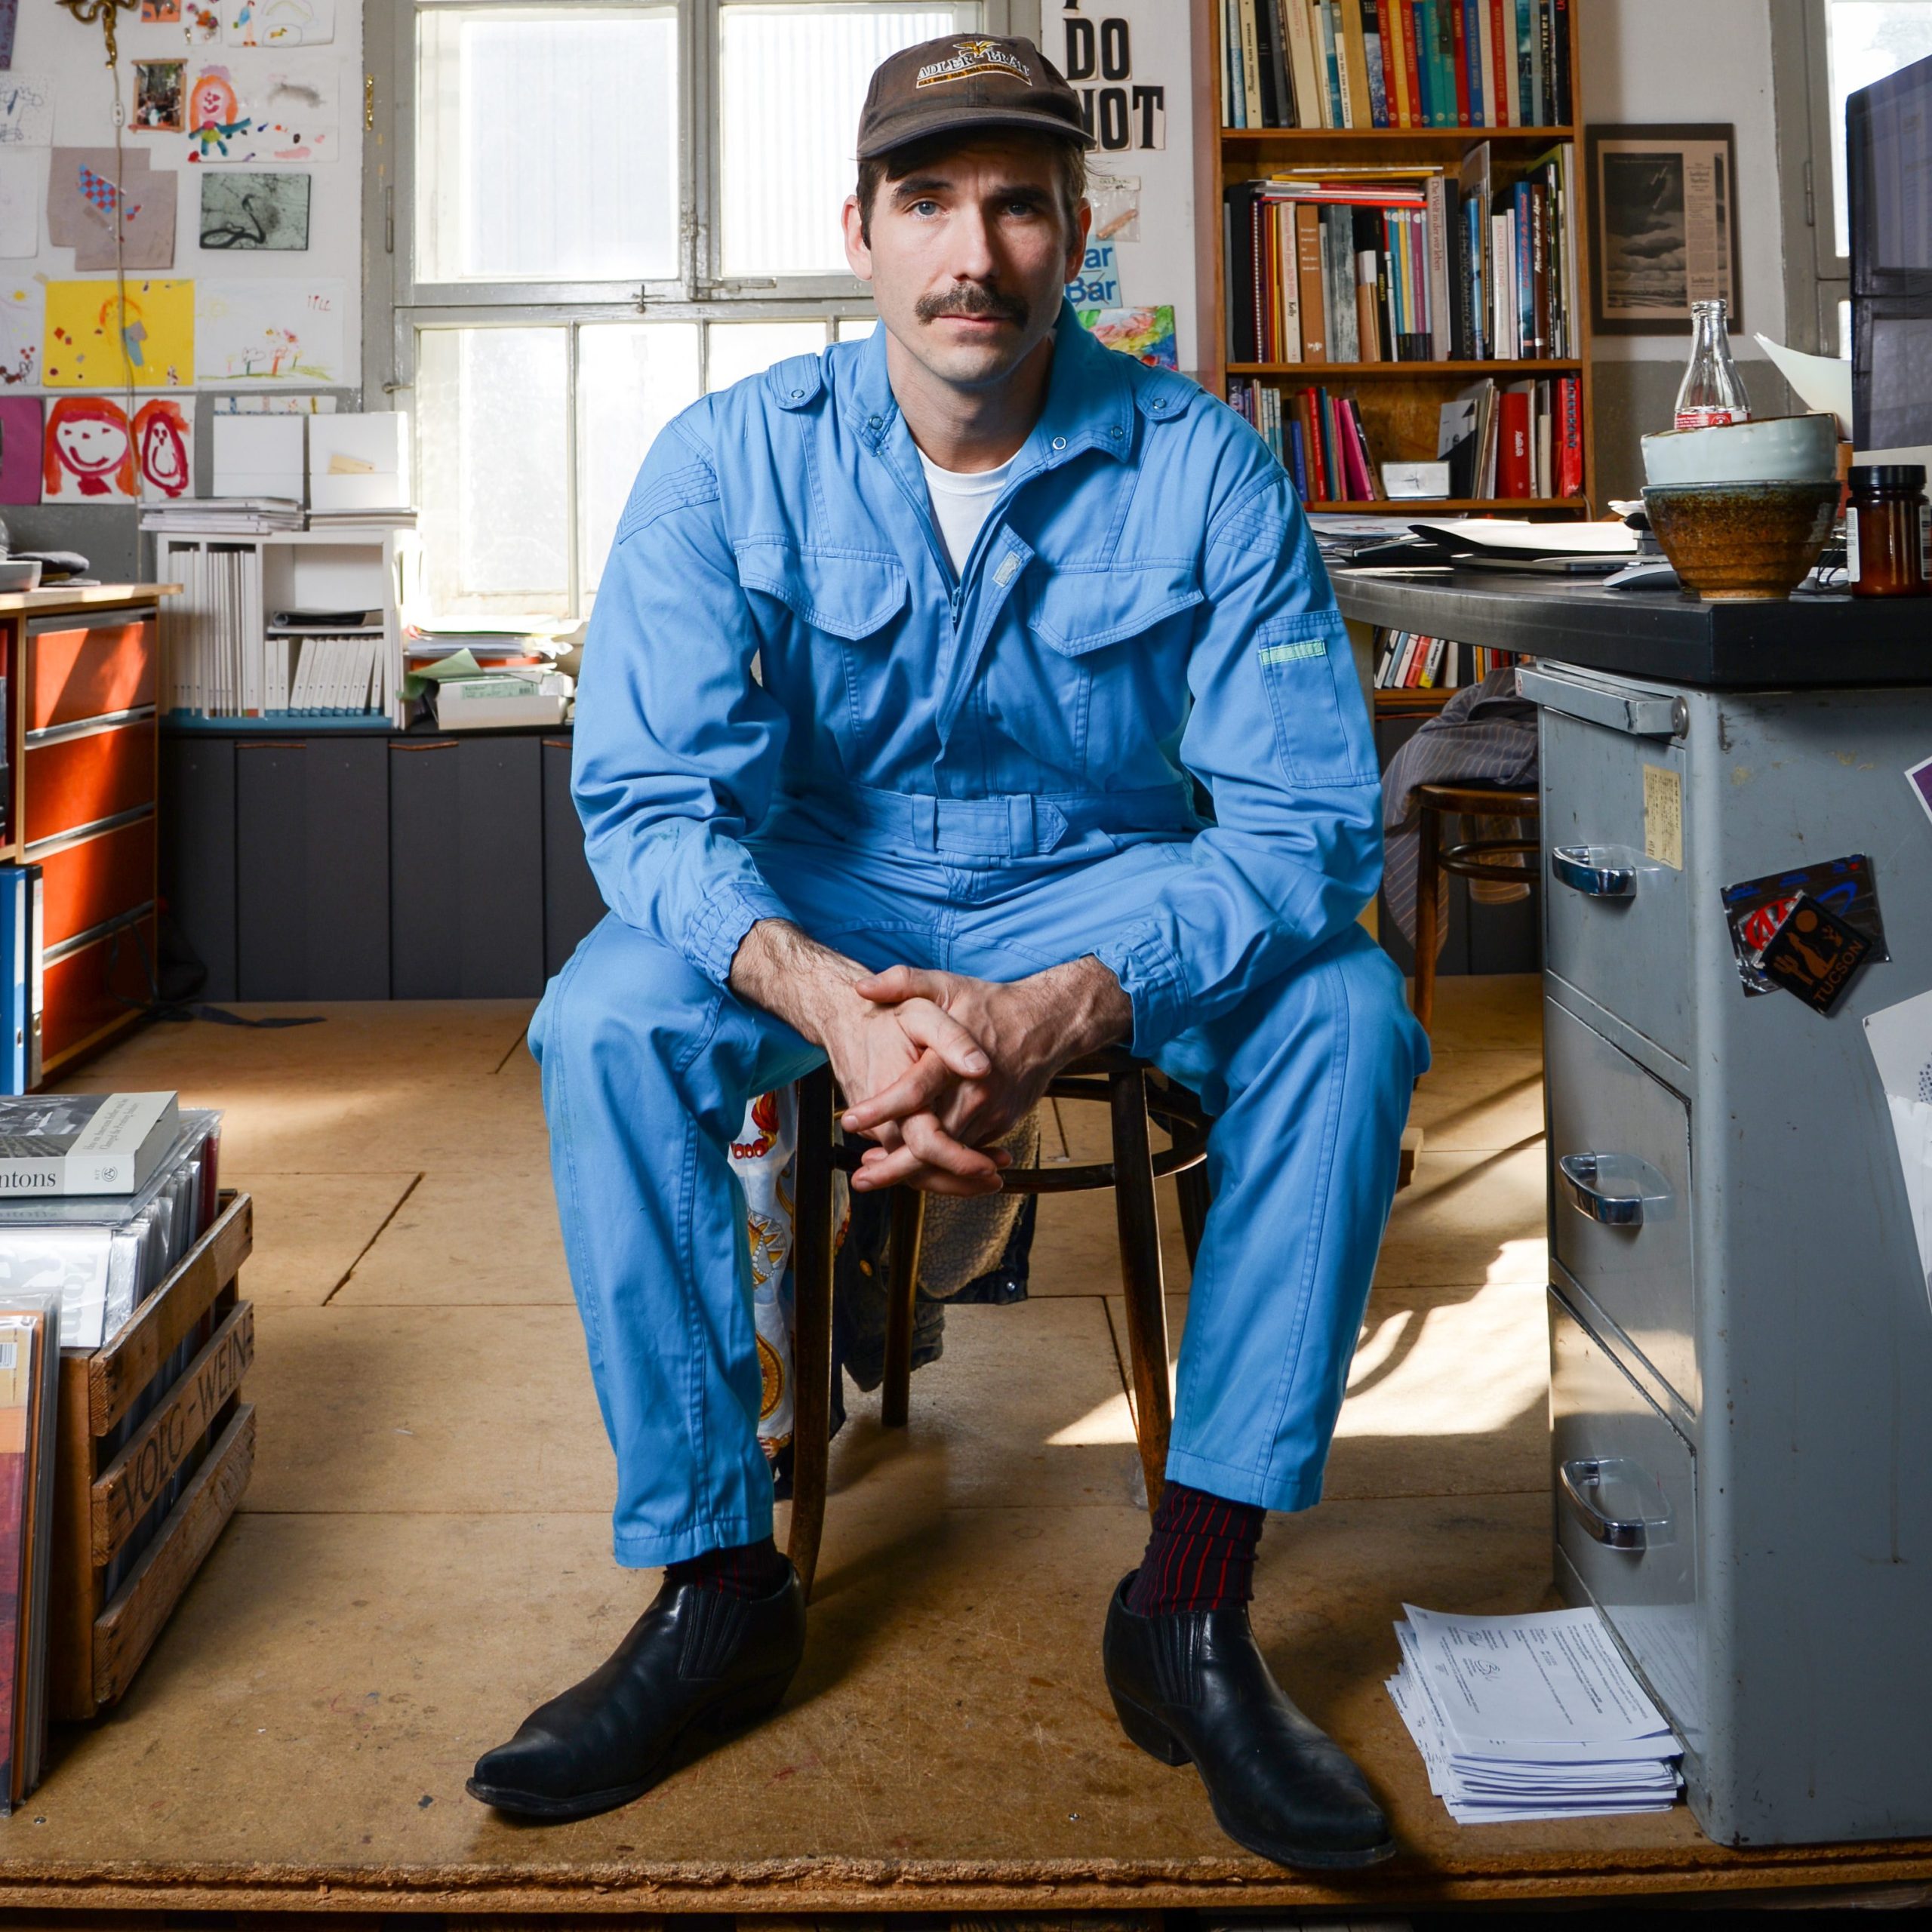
column 924, row 207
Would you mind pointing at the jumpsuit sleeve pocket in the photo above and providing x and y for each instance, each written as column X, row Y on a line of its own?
column 1077, row 611
column 1320, row 730
column 850, row 595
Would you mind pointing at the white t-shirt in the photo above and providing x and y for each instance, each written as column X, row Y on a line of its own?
column 962, row 503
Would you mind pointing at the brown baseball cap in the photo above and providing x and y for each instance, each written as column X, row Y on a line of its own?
column 966, row 82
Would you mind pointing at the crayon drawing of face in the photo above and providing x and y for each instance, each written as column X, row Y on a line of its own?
column 213, row 103
column 161, row 441
column 88, row 452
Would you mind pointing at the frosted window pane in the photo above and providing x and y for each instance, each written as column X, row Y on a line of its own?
column 1868, row 39
column 794, row 79
column 738, row 349
column 547, row 144
column 855, row 328
column 490, row 452
column 632, row 378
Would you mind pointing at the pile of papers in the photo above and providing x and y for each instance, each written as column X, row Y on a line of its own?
column 223, row 516
column 1521, row 1718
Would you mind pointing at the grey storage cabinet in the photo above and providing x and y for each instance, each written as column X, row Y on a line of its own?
column 197, row 856
column 1742, row 1428
column 572, row 903
column 311, row 868
column 466, row 867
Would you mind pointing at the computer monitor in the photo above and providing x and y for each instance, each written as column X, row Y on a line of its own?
column 1888, row 163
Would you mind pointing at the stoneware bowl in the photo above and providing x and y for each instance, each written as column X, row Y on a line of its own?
column 1732, row 542
column 1774, row 449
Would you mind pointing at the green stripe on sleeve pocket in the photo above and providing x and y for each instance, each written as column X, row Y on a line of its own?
column 1286, row 654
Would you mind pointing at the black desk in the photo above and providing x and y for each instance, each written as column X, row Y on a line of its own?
column 1838, row 641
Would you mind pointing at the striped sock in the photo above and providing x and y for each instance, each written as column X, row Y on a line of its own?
column 1201, row 1556
column 745, row 1570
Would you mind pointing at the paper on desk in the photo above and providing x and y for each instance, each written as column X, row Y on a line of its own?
column 1900, row 1038
column 1822, row 382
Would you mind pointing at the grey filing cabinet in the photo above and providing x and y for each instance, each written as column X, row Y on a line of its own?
column 1741, row 1376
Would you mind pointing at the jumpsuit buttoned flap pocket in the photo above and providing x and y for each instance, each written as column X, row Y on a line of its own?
column 1302, row 656
column 849, row 599
column 1108, row 699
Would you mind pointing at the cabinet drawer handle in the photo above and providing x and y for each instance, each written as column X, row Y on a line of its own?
column 1598, row 871
column 1582, row 1482
column 1619, row 1190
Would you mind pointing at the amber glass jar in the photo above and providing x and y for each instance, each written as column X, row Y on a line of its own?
column 1888, row 530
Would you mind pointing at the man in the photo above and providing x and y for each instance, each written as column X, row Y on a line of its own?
column 904, row 662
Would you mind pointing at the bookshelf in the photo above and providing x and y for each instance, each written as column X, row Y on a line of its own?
column 1397, row 402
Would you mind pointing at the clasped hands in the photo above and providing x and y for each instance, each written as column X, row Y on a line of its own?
column 936, row 1067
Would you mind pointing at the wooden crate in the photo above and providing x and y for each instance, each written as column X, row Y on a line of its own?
column 97, row 1643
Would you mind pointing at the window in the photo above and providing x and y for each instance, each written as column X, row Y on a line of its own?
column 1825, row 49
column 604, row 209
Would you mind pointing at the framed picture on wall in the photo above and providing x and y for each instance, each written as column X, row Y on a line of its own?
column 1663, row 225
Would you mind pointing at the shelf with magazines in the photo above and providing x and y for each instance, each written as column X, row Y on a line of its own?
column 1411, row 291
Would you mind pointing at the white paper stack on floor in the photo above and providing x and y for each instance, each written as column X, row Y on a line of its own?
column 1521, row 1718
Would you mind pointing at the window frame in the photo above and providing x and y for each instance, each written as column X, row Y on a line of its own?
column 1817, row 278
column 396, row 306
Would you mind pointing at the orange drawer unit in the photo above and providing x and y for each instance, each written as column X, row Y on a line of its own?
column 86, row 793
column 94, row 989
column 75, row 672
column 87, row 882
column 87, row 774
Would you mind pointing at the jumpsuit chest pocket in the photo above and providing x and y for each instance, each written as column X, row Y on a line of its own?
column 1321, row 733
column 1113, row 674
column 834, row 655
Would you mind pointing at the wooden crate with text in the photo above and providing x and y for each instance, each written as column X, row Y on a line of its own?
column 186, row 1455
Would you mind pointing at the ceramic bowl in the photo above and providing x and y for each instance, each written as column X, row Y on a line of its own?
column 1737, row 541
column 1774, row 449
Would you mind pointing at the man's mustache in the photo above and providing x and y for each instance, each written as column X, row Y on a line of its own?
column 971, row 300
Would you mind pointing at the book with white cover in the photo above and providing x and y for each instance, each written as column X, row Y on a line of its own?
column 83, row 1143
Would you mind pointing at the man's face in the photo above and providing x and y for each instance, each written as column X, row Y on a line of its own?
column 968, row 256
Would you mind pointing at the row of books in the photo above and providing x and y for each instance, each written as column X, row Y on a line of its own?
column 224, row 663
column 335, row 675
column 1409, row 661
column 1403, row 263
column 1396, row 64
column 1516, row 441
column 1315, row 435
column 105, row 1193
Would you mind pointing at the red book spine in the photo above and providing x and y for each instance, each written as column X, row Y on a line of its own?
column 1461, row 63
column 1570, row 468
column 1502, row 41
column 1412, row 58
column 1515, row 470
column 1258, row 229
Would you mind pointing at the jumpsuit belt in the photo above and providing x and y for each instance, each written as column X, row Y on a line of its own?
column 1013, row 825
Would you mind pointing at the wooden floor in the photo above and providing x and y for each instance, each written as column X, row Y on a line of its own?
column 425, row 1552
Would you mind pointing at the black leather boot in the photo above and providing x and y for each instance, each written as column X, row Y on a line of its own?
column 1193, row 1688
column 698, row 1663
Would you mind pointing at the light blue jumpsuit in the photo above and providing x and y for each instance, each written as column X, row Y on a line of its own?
column 986, row 773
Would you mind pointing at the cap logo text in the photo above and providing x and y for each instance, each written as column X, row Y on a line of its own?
column 970, row 57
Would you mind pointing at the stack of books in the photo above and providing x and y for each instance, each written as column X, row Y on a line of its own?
column 1516, row 441
column 1409, row 661
column 1403, row 263
column 1396, row 64
column 101, row 1195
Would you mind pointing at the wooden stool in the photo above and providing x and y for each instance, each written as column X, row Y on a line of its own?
column 1113, row 1076
column 1473, row 858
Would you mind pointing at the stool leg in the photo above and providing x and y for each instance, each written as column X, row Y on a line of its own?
column 908, row 1225
column 1196, row 1197
column 1140, row 1276
column 1428, row 886
column 811, row 1324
